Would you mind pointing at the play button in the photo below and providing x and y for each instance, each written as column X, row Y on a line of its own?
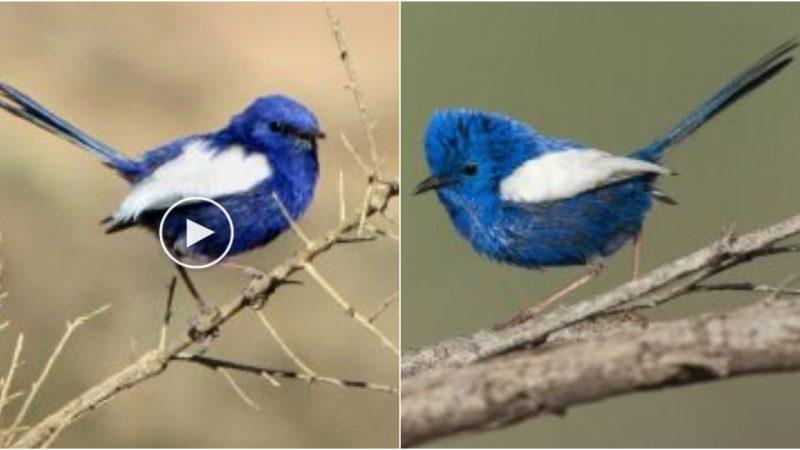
column 196, row 232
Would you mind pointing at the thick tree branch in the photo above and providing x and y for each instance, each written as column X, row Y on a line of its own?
column 662, row 284
column 503, row 390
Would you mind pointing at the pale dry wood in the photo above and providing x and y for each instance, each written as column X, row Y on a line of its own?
column 37, row 384
column 152, row 363
column 353, row 85
column 9, row 378
column 258, row 291
column 342, row 202
column 761, row 338
column 352, row 150
column 363, row 221
column 295, row 227
column 283, row 345
column 238, row 389
column 667, row 282
column 328, row 287
column 349, row 310
column 383, row 307
column 271, row 374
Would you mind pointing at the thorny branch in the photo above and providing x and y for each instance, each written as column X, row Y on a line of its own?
column 581, row 353
column 257, row 293
column 259, row 290
column 358, row 96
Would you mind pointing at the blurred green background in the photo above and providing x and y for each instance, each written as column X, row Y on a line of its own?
column 137, row 76
column 614, row 76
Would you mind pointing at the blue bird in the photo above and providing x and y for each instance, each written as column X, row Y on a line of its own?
column 522, row 198
column 266, row 152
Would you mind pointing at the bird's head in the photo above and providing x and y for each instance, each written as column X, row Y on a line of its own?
column 277, row 123
column 469, row 151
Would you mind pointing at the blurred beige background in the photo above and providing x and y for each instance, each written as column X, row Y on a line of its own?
column 614, row 76
column 137, row 76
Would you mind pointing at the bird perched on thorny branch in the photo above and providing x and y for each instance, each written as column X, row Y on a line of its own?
column 264, row 155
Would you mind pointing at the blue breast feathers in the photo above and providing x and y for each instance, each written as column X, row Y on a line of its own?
column 470, row 153
column 267, row 151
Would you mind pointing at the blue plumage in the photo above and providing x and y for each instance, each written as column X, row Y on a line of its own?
column 526, row 199
column 268, row 150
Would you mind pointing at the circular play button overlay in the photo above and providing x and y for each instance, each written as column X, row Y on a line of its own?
column 196, row 228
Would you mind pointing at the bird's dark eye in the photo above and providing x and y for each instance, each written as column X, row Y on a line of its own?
column 277, row 127
column 470, row 169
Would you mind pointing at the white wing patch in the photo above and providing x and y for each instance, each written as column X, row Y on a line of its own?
column 199, row 171
column 565, row 174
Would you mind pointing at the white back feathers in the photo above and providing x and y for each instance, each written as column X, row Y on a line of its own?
column 200, row 171
column 565, row 174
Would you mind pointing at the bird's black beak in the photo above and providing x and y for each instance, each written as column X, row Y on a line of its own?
column 432, row 182
column 320, row 135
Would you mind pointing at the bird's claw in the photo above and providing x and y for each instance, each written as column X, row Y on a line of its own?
column 203, row 328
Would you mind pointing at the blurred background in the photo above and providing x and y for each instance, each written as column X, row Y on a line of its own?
column 137, row 76
column 614, row 76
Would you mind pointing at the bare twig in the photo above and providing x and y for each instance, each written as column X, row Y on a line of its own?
column 238, row 389
column 363, row 220
column 258, row 291
column 349, row 310
column 353, row 86
column 659, row 285
column 295, row 227
column 286, row 349
column 342, row 203
column 152, row 363
column 382, row 232
column 383, row 307
column 354, row 153
column 71, row 327
column 215, row 363
column 9, row 378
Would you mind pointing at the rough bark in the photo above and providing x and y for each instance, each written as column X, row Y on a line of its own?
column 503, row 390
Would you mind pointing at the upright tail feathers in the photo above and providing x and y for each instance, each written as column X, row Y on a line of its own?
column 754, row 76
column 24, row 107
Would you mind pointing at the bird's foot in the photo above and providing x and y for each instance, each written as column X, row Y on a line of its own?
column 203, row 328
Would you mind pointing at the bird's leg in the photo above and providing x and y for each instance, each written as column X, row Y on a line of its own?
column 192, row 289
column 636, row 266
column 200, row 328
column 637, row 255
column 593, row 269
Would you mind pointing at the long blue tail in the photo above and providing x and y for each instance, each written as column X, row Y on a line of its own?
column 24, row 107
column 754, row 76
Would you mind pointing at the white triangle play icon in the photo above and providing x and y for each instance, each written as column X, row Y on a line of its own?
column 195, row 233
